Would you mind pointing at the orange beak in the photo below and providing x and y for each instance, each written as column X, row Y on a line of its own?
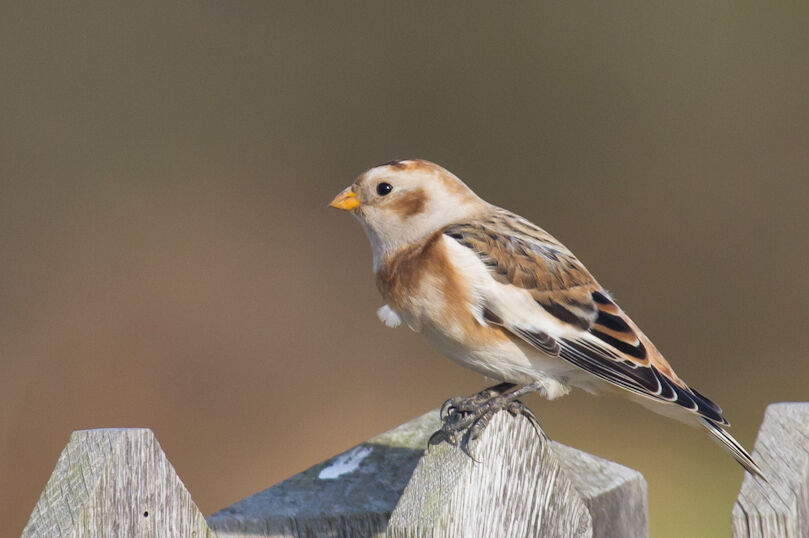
column 346, row 200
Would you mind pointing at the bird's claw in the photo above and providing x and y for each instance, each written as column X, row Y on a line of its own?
column 465, row 418
column 517, row 408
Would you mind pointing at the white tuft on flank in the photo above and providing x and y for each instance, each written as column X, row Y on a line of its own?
column 387, row 316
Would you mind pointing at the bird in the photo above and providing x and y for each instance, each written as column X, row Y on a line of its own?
column 497, row 294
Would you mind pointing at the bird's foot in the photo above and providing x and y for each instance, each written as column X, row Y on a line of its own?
column 465, row 418
column 467, row 405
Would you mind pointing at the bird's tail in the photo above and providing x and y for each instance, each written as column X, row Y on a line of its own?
column 730, row 444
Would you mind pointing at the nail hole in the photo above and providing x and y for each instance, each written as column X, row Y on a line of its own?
column 146, row 514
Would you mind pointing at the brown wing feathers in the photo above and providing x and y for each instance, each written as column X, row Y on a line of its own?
column 520, row 254
column 612, row 328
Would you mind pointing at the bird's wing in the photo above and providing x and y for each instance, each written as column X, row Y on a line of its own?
column 597, row 335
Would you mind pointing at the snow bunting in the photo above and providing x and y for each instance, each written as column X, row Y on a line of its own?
column 497, row 294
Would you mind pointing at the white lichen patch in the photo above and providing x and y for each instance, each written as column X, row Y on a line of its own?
column 345, row 463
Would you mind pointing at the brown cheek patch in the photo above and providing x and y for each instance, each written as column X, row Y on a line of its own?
column 411, row 203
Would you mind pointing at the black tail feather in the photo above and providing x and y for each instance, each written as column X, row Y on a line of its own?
column 733, row 447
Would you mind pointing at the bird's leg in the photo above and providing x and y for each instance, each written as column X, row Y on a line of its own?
column 465, row 418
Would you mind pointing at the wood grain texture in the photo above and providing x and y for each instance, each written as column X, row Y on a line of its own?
column 779, row 508
column 114, row 482
column 354, row 503
column 521, row 485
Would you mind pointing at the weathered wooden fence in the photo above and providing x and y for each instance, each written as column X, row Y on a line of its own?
column 118, row 482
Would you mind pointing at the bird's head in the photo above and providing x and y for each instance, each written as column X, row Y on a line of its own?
column 400, row 202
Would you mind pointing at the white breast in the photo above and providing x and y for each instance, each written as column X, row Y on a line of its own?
column 511, row 360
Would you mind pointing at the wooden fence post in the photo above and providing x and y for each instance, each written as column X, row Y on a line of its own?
column 780, row 507
column 522, row 485
column 114, row 482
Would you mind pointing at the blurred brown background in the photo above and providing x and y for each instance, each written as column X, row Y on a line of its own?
column 168, row 259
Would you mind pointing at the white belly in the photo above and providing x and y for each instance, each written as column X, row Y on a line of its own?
column 511, row 361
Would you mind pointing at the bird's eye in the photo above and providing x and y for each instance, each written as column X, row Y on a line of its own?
column 384, row 189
